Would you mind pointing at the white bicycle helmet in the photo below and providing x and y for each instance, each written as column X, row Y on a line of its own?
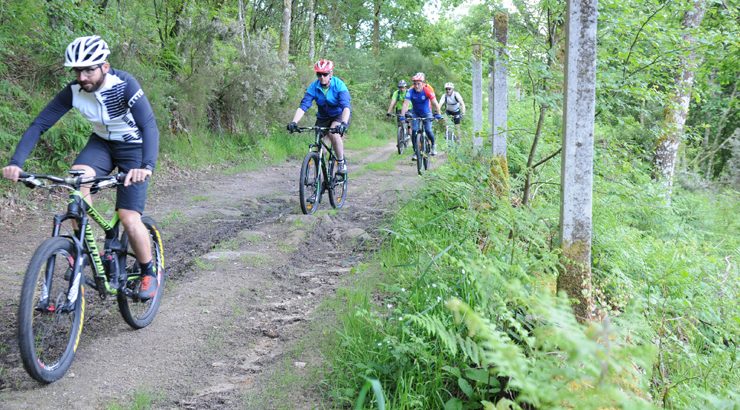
column 450, row 85
column 86, row 52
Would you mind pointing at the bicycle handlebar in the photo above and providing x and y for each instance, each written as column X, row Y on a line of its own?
column 108, row 181
column 332, row 130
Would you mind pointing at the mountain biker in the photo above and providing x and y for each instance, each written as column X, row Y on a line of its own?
column 421, row 95
column 397, row 99
column 334, row 109
column 125, row 136
column 454, row 104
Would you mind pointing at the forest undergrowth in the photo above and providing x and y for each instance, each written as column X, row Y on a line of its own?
column 463, row 313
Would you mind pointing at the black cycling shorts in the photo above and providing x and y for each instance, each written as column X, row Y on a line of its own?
column 103, row 156
column 326, row 122
column 456, row 116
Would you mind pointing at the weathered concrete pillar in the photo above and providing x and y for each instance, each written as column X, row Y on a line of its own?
column 577, row 157
column 500, row 88
column 477, row 96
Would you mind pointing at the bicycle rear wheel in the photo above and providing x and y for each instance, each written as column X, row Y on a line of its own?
column 337, row 185
column 309, row 186
column 49, row 329
column 136, row 312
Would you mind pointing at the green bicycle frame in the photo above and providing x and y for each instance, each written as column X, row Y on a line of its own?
column 80, row 209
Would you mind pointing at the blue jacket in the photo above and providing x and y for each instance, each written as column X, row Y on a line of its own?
column 331, row 102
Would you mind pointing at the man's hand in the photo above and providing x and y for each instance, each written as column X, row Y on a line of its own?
column 12, row 172
column 293, row 127
column 136, row 175
column 437, row 116
column 342, row 128
column 388, row 114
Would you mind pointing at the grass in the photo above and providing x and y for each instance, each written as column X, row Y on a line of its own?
column 140, row 400
column 172, row 218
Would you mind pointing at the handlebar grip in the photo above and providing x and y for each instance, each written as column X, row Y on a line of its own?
column 24, row 175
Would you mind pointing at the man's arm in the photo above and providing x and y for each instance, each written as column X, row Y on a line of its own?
column 462, row 103
column 405, row 107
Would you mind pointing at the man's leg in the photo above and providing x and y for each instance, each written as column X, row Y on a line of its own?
column 138, row 236
column 338, row 144
column 430, row 134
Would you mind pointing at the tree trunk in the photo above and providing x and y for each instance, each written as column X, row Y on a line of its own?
column 285, row 33
column 677, row 110
column 577, row 157
column 311, row 30
column 242, row 27
column 532, row 151
column 377, row 4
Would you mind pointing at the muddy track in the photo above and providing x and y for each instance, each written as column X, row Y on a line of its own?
column 246, row 271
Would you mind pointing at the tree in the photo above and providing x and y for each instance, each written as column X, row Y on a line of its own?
column 285, row 31
column 677, row 110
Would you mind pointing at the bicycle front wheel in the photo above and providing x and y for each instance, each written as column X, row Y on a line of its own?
column 401, row 140
column 337, row 186
column 49, row 328
column 419, row 151
column 309, row 186
column 136, row 312
column 427, row 149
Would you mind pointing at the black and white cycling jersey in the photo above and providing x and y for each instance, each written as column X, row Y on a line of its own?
column 118, row 111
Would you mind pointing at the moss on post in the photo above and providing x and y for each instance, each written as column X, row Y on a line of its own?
column 575, row 279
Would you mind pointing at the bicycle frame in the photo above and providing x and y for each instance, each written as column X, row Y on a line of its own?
column 81, row 211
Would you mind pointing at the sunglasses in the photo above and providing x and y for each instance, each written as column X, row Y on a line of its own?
column 448, row 89
column 87, row 71
column 417, row 82
column 322, row 74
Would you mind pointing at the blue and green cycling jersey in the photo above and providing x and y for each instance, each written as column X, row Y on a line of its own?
column 331, row 101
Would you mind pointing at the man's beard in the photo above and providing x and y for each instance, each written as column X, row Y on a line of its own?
column 92, row 87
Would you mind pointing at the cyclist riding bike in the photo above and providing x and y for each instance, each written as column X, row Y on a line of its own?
column 397, row 99
column 125, row 136
column 454, row 105
column 334, row 109
column 421, row 98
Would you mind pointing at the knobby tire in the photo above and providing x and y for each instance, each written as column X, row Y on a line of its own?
column 310, row 184
column 136, row 312
column 48, row 335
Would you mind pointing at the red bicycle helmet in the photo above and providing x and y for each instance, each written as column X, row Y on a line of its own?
column 323, row 66
column 418, row 77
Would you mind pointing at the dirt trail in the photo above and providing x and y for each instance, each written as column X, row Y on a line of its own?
column 246, row 271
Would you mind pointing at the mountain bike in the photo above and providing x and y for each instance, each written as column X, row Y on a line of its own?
column 318, row 174
column 403, row 134
column 52, row 304
column 422, row 146
column 450, row 135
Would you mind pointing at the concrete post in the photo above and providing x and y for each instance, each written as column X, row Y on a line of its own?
column 500, row 88
column 577, row 157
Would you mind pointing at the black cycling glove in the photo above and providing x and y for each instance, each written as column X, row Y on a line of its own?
column 342, row 128
column 293, row 127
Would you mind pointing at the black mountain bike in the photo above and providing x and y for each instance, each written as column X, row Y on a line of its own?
column 451, row 136
column 318, row 176
column 403, row 134
column 52, row 305
column 422, row 146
